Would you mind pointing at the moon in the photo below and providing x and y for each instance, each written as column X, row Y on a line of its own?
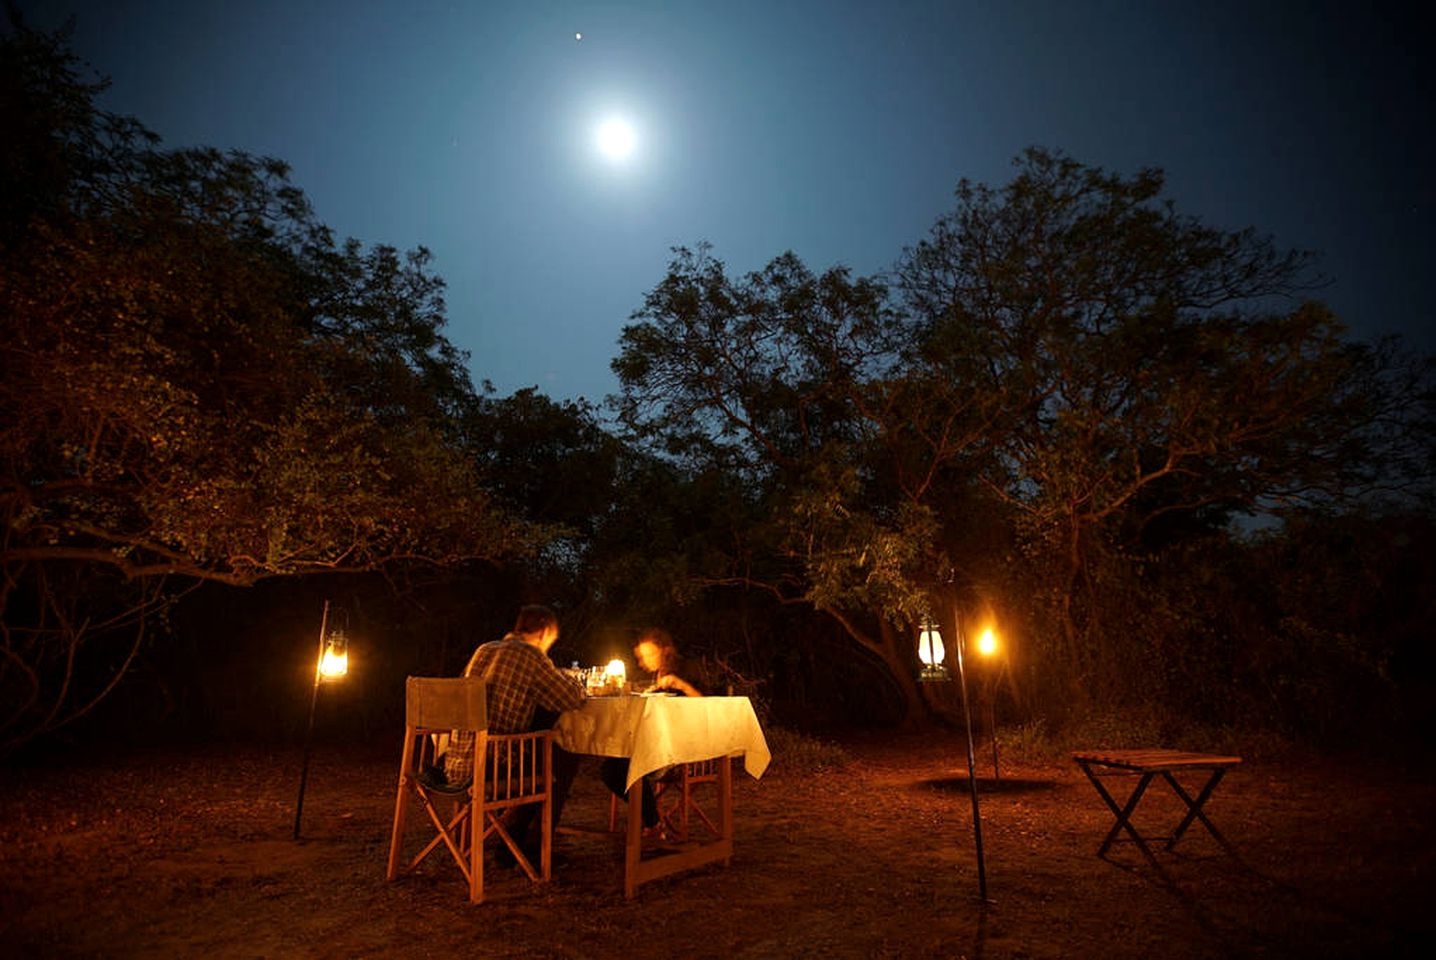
column 615, row 138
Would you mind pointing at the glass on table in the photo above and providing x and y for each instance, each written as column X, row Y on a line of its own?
column 593, row 681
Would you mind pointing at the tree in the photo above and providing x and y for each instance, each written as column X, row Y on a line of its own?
column 198, row 384
column 793, row 384
column 1155, row 374
column 1070, row 372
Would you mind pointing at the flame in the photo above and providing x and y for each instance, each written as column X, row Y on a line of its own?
column 334, row 663
column 615, row 670
column 987, row 643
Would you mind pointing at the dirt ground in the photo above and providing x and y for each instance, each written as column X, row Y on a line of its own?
column 189, row 854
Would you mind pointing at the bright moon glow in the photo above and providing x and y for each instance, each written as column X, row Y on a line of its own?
column 616, row 139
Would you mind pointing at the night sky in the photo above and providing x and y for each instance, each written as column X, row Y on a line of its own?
column 837, row 130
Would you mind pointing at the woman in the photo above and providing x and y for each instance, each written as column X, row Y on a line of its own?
column 657, row 654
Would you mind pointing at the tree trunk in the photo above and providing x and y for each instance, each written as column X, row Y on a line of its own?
column 891, row 648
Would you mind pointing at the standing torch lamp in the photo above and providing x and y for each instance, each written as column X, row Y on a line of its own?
column 330, row 664
column 931, row 653
column 987, row 648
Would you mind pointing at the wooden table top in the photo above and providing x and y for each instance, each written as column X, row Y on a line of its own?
column 1154, row 758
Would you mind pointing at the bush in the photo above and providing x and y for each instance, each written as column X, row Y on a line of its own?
column 795, row 752
column 1036, row 742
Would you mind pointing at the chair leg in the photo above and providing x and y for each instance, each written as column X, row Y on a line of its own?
column 546, row 844
column 401, row 809
column 476, row 847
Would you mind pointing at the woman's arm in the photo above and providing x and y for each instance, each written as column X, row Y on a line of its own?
column 672, row 681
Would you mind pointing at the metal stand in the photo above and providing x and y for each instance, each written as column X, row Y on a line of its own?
column 992, row 725
column 971, row 757
column 309, row 734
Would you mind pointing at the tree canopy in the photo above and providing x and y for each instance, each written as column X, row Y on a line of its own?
column 1062, row 372
column 197, row 381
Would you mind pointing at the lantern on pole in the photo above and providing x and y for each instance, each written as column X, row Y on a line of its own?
column 930, row 651
column 331, row 663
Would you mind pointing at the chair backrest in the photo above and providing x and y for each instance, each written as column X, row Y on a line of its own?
column 446, row 703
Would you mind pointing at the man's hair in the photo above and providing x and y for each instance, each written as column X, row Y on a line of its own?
column 535, row 619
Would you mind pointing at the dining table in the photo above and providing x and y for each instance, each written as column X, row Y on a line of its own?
column 657, row 732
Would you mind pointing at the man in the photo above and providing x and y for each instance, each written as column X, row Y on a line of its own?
column 525, row 691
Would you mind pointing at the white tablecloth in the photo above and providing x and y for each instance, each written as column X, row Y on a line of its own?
column 659, row 731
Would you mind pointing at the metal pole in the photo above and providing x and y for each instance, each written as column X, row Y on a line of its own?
column 971, row 757
column 992, row 725
column 309, row 734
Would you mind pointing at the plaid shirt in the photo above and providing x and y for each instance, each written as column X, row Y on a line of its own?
column 520, row 678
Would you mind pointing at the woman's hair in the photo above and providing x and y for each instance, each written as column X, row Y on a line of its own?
column 534, row 618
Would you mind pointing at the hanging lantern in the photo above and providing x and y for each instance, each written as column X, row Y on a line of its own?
column 930, row 652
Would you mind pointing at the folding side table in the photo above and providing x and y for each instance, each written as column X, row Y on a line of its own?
column 1145, row 765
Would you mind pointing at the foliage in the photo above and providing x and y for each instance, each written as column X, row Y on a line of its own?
column 1038, row 742
column 1156, row 378
column 1068, row 379
column 1317, row 631
column 791, row 382
column 799, row 753
column 199, row 383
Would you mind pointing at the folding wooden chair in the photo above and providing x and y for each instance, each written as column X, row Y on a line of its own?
column 675, row 793
column 510, row 770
